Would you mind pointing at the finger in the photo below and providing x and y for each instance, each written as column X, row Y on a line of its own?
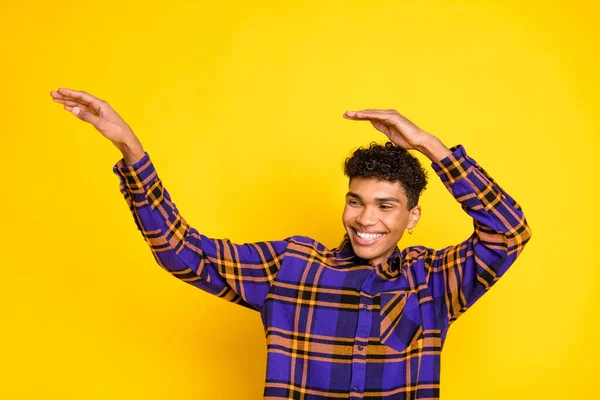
column 71, row 103
column 59, row 98
column 369, row 114
column 85, row 97
column 354, row 115
column 79, row 95
column 373, row 111
column 92, row 102
column 379, row 126
column 84, row 115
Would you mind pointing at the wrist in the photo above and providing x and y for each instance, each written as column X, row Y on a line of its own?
column 131, row 149
column 433, row 148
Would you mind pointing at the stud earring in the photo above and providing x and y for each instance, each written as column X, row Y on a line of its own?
column 410, row 231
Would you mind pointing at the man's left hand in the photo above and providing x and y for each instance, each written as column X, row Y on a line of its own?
column 396, row 127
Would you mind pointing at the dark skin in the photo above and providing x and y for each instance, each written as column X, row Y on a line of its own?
column 381, row 223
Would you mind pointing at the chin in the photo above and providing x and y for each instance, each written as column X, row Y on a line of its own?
column 367, row 255
column 366, row 252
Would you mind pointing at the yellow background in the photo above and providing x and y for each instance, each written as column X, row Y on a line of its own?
column 240, row 107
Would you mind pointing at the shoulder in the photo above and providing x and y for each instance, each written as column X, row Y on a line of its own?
column 306, row 244
column 310, row 249
column 412, row 254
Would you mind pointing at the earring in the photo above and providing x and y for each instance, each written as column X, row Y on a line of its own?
column 410, row 231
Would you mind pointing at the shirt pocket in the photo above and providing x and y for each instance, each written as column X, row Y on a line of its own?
column 400, row 322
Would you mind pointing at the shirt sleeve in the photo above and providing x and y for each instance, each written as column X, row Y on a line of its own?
column 462, row 273
column 239, row 273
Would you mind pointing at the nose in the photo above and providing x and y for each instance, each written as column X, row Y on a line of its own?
column 367, row 217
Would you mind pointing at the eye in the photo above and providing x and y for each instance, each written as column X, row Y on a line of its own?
column 352, row 202
column 386, row 207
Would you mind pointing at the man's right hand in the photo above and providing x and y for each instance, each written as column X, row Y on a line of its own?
column 106, row 120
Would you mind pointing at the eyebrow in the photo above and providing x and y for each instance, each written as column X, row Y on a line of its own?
column 378, row 199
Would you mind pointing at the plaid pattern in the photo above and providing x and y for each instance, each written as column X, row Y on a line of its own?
column 337, row 327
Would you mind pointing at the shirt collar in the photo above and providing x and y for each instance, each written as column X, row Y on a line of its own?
column 387, row 269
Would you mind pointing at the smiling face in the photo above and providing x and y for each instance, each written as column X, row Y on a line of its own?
column 375, row 217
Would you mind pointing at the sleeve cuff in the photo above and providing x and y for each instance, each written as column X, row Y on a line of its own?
column 138, row 176
column 455, row 166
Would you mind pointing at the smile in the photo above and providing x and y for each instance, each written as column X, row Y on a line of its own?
column 367, row 238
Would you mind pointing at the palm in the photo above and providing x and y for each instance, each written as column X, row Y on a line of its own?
column 391, row 133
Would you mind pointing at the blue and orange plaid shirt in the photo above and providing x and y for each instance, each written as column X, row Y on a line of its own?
column 336, row 326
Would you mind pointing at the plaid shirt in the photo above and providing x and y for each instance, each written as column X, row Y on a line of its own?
column 337, row 327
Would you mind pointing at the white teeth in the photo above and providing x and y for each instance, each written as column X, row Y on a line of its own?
column 369, row 236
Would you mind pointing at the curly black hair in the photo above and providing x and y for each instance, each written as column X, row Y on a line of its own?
column 389, row 162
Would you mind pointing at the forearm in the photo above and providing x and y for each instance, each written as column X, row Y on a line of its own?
column 239, row 273
column 461, row 274
column 481, row 196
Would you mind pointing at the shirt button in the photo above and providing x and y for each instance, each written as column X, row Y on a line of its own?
column 360, row 346
column 365, row 307
column 355, row 388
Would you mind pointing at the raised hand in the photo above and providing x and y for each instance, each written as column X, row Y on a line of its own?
column 95, row 111
column 397, row 128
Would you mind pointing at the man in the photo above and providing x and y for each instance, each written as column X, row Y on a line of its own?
column 365, row 319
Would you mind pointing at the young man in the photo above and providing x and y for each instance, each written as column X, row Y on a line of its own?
column 362, row 320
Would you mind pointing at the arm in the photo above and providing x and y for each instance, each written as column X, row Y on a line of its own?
column 459, row 275
column 239, row 273
column 242, row 274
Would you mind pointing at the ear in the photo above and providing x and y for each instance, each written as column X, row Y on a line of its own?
column 414, row 216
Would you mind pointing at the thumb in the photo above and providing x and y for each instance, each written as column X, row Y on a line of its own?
column 86, row 116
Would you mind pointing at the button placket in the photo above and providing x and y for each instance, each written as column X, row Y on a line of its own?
column 362, row 336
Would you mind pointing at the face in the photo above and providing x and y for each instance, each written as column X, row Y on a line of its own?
column 375, row 217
